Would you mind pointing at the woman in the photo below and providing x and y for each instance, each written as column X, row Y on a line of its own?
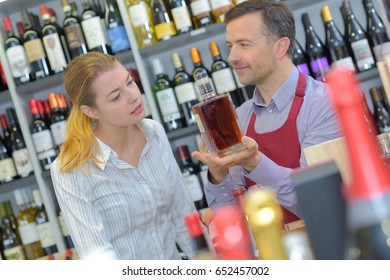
column 116, row 180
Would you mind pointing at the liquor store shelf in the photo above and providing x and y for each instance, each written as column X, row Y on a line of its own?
column 17, row 183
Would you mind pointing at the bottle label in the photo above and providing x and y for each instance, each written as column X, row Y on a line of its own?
column 181, row 17
column 43, row 141
column 200, row 6
column 319, row 67
column 14, row 253
column 58, row 131
column 118, row 39
column 216, row 4
column 224, row 81
column 94, row 33
column 346, row 63
column 34, row 50
column 74, row 36
column 362, row 52
column 22, row 162
column 18, row 62
column 185, row 92
column 168, row 105
column 382, row 50
column 7, row 170
column 193, row 184
column 28, row 233
column 54, row 52
column 46, row 235
column 304, row 69
column 164, row 30
column 138, row 14
column 199, row 96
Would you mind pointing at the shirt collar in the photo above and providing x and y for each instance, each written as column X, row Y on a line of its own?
column 283, row 95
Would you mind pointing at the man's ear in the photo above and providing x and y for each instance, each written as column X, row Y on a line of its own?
column 281, row 47
column 89, row 111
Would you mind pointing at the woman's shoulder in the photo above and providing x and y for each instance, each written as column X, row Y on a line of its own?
column 153, row 125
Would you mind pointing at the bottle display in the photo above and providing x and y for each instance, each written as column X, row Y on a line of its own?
column 164, row 26
column 217, row 119
column 381, row 114
column 184, row 89
column 201, row 12
column 181, row 15
column 300, row 59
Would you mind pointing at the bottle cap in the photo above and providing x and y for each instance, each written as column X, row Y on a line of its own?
column 7, row 23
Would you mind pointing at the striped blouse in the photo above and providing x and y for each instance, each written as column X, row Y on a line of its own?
column 123, row 212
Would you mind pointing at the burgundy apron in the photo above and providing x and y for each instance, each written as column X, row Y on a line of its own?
column 282, row 145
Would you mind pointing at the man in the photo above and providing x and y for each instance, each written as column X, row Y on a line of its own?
column 288, row 111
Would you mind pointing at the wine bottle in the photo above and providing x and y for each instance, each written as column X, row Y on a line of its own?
column 201, row 12
column 190, row 172
column 376, row 31
column 93, row 29
column 164, row 27
column 74, row 36
column 27, row 226
column 181, row 15
column 3, row 79
column 52, row 42
column 169, row 109
column 141, row 21
column 45, row 232
column 53, row 20
column 315, row 50
column 219, row 8
column 368, row 194
column 357, row 38
column 300, row 59
column 198, row 67
column 57, row 122
column 184, row 89
column 6, row 132
column 339, row 55
column 35, row 50
column 222, row 75
column 381, row 114
column 65, row 232
column 42, row 138
column 115, row 29
column 19, row 150
column 16, row 55
column 7, row 165
column 217, row 119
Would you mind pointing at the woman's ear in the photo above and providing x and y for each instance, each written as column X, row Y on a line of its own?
column 89, row 112
column 281, row 47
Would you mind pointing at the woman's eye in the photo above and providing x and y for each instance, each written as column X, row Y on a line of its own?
column 129, row 83
column 115, row 98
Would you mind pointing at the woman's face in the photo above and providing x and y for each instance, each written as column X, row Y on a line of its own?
column 118, row 99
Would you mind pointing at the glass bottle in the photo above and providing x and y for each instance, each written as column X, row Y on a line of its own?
column 164, row 27
column 65, row 232
column 381, row 114
column 201, row 12
column 181, row 15
column 198, row 67
column 217, row 119
column 6, row 132
column 7, row 165
column 339, row 55
column 300, row 59
column 57, row 122
column 219, row 8
column 184, row 89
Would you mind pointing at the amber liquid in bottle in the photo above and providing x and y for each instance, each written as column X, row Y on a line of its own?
column 217, row 119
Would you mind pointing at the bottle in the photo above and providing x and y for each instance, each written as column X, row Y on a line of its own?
column 376, row 32
column 222, row 75
column 141, row 21
column 169, row 109
column 184, row 89
column 181, row 15
column 201, row 12
column 195, row 231
column 6, row 132
column 198, row 67
column 52, row 42
column 11, row 244
column 7, row 165
column 74, row 36
column 41, row 136
column 217, row 119
column 368, row 194
column 384, row 97
column 265, row 218
column 219, row 8
column 65, row 232
column 300, row 59
column 94, row 33
column 3, row 79
column 19, row 150
column 57, row 122
column 339, row 55
column 27, row 226
column 164, row 27
column 384, row 144
column 115, row 29
column 190, row 172
column 16, row 55
column 232, row 237
column 315, row 50
column 53, row 20
column 357, row 38
column 381, row 114
column 35, row 51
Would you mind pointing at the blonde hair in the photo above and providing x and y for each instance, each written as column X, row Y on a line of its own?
column 80, row 146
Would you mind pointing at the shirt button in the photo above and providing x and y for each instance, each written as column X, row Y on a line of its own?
column 269, row 110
